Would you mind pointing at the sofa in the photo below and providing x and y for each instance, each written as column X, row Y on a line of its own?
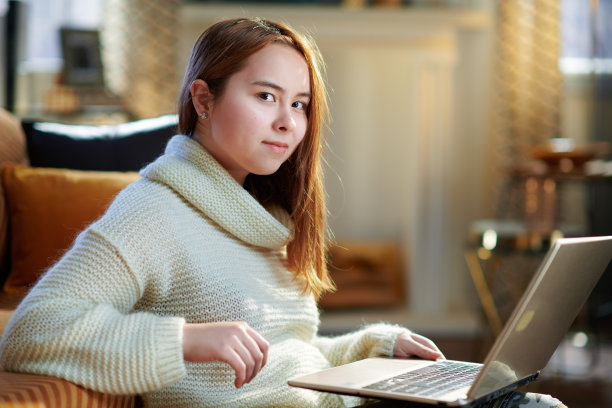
column 55, row 179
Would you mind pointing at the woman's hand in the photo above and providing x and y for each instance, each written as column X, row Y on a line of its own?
column 413, row 345
column 234, row 343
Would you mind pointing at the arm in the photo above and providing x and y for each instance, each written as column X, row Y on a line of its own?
column 76, row 324
column 376, row 340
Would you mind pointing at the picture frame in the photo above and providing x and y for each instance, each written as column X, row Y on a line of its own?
column 82, row 58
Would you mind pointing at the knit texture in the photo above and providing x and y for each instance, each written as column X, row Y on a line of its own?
column 184, row 243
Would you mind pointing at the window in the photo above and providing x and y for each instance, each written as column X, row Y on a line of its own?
column 44, row 19
column 586, row 36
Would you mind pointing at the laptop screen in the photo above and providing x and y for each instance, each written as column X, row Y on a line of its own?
column 545, row 312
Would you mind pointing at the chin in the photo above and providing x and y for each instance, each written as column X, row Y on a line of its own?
column 268, row 170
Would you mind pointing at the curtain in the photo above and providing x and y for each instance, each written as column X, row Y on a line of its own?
column 528, row 87
column 140, row 41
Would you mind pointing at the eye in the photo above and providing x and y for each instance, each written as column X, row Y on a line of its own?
column 266, row 96
column 299, row 105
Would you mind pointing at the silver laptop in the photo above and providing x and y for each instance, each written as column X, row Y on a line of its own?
column 551, row 302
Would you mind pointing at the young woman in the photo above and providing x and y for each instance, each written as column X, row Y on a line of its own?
column 198, row 286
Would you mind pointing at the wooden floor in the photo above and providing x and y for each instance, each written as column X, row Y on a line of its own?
column 581, row 377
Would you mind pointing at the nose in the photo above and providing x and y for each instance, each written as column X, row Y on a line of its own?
column 285, row 122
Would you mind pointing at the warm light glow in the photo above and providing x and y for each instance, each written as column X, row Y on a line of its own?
column 489, row 239
column 580, row 339
column 484, row 254
column 555, row 235
column 561, row 145
column 531, row 197
column 566, row 165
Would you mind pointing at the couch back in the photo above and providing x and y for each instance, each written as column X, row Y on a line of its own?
column 90, row 162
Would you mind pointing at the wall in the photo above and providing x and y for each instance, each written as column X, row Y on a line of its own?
column 408, row 150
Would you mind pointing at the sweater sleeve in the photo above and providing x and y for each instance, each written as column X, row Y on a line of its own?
column 371, row 341
column 77, row 323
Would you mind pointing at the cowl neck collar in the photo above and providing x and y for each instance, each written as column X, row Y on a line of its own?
column 187, row 168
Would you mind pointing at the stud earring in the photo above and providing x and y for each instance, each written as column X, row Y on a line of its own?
column 204, row 116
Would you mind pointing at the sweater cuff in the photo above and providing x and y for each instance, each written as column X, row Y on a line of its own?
column 169, row 348
column 386, row 334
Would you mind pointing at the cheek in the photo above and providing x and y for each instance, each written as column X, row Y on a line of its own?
column 248, row 117
column 235, row 122
column 299, row 139
column 302, row 126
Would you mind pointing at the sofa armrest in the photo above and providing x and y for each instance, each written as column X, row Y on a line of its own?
column 27, row 390
column 8, row 304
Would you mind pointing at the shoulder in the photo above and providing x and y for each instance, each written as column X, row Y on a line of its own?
column 142, row 209
column 146, row 223
column 138, row 201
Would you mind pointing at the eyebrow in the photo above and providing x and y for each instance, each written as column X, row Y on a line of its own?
column 279, row 88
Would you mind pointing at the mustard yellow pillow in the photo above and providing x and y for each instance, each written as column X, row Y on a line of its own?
column 12, row 149
column 47, row 209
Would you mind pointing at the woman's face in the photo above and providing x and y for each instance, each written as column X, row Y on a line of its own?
column 261, row 116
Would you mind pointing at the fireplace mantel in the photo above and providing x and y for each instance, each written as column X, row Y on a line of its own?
column 369, row 24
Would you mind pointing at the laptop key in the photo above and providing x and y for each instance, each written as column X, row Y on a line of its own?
column 433, row 380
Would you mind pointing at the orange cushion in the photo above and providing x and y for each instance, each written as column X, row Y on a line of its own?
column 13, row 150
column 26, row 390
column 47, row 209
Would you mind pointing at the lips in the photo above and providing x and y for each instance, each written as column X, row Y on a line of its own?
column 277, row 147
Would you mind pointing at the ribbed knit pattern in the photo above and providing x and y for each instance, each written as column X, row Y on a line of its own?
column 184, row 243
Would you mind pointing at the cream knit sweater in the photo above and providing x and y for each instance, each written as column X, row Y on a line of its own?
column 184, row 243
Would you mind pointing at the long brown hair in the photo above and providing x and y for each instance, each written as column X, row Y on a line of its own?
column 220, row 52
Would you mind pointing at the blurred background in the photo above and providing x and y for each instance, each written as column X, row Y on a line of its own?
column 466, row 135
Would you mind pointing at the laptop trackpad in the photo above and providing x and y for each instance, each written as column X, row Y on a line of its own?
column 362, row 372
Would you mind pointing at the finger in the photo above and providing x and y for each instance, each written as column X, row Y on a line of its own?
column 427, row 348
column 235, row 361
column 409, row 345
column 429, row 344
column 424, row 341
column 247, row 358
column 262, row 345
column 427, row 353
column 255, row 354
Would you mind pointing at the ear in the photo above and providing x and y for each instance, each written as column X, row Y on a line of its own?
column 201, row 96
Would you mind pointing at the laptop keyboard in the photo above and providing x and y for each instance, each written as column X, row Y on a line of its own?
column 431, row 381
